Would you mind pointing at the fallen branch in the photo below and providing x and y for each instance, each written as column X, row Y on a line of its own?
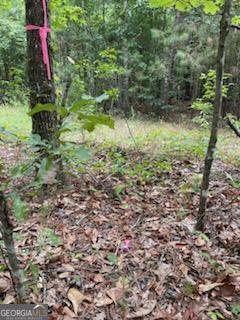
column 13, row 263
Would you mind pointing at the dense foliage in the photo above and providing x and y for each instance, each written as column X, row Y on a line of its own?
column 145, row 58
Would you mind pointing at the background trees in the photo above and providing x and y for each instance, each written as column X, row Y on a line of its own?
column 159, row 54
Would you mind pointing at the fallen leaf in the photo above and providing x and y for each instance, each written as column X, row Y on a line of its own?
column 8, row 299
column 98, row 278
column 4, row 285
column 115, row 294
column 64, row 275
column 227, row 290
column 102, row 300
column 68, row 313
column 76, row 297
column 200, row 242
column 184, row 269
column 144, row 311
column 68, row 267
column 208, row 287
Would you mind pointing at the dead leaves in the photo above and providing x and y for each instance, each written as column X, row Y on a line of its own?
column 5, row 284
column 202, row 288
column 76, row 297
column 114, row 252
column 102, row 300
column 143, row 311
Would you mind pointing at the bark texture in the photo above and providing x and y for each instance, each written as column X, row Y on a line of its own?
column 224, row 29
column 41, row 89
column 7, row 236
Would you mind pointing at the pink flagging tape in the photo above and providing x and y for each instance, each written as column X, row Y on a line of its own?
column 43, row 32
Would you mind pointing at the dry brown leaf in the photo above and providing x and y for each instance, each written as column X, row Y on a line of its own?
column 76, row 297
column 200, row 242
column 68, row 313
column 144, row 311
column 202, row 288
column 4, row 285
column 8, row 299
column 68, row 267
column 64, row 275
column 68, row 317
column 227, row 290
column 98, row 278
column 102, row 300
column 184, row 269
column 115, row 294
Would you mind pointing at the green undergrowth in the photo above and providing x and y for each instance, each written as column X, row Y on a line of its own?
column 156, row 138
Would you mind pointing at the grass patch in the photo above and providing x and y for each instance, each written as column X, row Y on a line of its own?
column 15, row 119
column 153, row 137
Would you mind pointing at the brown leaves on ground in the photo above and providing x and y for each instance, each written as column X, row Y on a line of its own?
column 133, row 255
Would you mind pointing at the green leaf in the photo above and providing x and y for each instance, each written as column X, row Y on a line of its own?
column 215, row 315
column 89, row 122
column 77, row 106
column 112, row 258
column 42, row 107
column 235, row 308
column 210, row 7
column 161, row 3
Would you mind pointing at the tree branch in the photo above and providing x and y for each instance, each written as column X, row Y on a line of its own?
column 233, row 127
column 234, row 26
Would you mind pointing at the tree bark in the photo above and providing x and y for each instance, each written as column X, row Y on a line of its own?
column 224, row 29
column 41, row 89
column 125, row 100
column 7, row 236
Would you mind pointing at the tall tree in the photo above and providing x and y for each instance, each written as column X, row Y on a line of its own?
column 224, row 29
column 41, row 84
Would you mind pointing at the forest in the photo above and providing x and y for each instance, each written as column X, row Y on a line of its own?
column 120, row 159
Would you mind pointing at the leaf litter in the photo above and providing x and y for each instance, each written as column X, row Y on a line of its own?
column 132, row 254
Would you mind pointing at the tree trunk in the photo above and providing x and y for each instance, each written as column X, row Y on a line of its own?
column 42, row 89
column 224, row 29
column 125, row 98
column 13, row 263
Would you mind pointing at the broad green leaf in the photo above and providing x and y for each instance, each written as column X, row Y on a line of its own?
column 89, row 122
column 77, row 106
column 42, row 107
column 209, row 6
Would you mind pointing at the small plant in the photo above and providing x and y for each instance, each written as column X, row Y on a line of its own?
column 205, row 105
column 235, row 309
column 58, row 152
column 215, row 315
column 189, row 289
column 47, row 236
column 112, row 258
column 119, row 191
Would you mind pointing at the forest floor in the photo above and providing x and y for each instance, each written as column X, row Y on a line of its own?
column 118, row 240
